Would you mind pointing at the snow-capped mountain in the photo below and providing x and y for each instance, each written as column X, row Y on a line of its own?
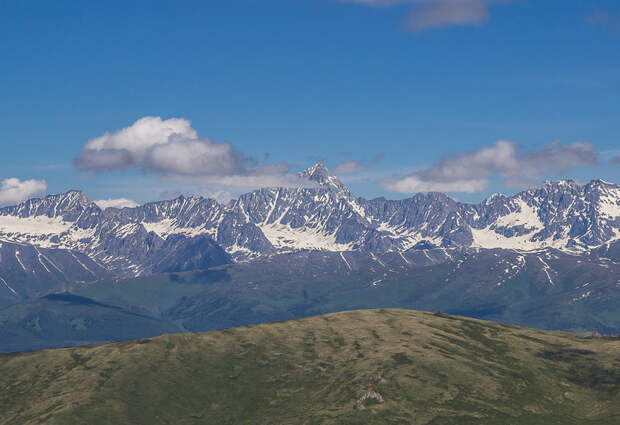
column 114, row 239
column 193, row 232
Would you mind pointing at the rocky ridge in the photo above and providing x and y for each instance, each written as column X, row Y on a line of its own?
column 193, row 232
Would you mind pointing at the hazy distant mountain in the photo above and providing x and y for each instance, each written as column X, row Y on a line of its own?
column 546, row 289
column 28, row 271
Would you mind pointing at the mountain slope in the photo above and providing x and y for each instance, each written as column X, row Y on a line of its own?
column 542, row 290
column 326, row 216
column 545, row 289
column 112, row 238
column 374, row 367
column 63, row 320
column 27, row 271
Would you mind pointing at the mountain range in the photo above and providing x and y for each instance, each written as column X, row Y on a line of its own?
column 193, row 232
column 547, row 257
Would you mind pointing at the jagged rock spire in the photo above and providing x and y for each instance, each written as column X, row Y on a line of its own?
column 320, row 174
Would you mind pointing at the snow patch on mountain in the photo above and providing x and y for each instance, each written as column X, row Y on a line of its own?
column 38, row 225
column 328, row 217
column 168, row 226
column 525, row 215
column 284, row 237
column 116, row 203
column 406, row 238
column 488, row 238
column 609, row 204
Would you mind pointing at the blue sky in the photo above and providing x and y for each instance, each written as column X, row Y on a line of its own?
column 399, row 96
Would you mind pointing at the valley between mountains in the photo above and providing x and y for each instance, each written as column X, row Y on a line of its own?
column 548, row 257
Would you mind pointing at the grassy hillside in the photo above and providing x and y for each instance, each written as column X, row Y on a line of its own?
column 359, row 367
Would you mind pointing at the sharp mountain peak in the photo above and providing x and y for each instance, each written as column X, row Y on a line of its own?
column 562, row 215
column 320, row 174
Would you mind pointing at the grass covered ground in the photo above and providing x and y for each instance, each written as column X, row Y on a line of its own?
column 358, row 367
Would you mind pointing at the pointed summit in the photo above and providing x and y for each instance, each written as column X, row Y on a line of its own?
column 317, row 170
column 600, row 183
column 68, row 205
column 75, row 197
column 320, row 174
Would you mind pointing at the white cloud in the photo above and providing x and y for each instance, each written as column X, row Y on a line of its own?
column 167, row 146
column 443, row 13
column 414, row 184
column 172, row 148
column 221, row 196
column 195, row 157
column 470, row 172
column 116, row 203
column 13, row 191
column 255, row 179
column 352, row 166
column 428, row 14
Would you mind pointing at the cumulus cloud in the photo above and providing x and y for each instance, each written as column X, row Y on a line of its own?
column 470, row 172
column 167, row 146
column 173, row 149
column 413, row 183
column 13, row 191
column 429, row 14
column 352, row 166
column 272, row 175
column 249, row 181
column 116, row 203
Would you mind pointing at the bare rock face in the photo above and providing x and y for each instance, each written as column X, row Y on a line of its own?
column 193, row 232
